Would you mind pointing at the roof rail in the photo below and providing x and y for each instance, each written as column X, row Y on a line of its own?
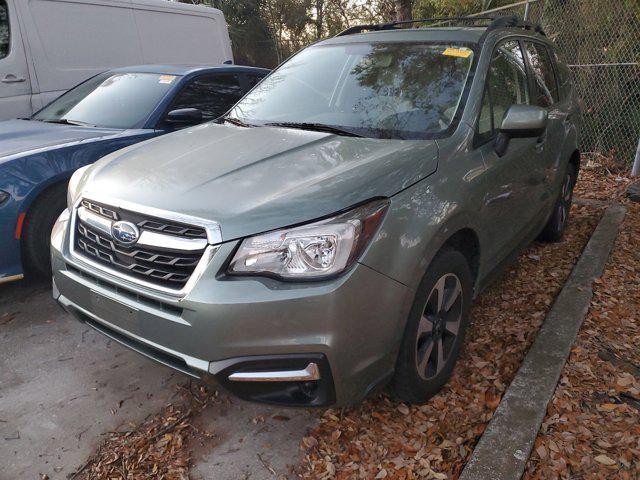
column 513, row 21
column 505, row 21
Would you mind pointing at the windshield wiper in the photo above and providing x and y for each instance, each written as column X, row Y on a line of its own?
column 66, row 121
column 236, row 121
column 316, row 127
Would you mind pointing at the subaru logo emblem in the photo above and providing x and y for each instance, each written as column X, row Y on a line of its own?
column 125, row 232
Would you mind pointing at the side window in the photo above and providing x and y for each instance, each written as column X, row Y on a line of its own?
column 4, row 29
column 485, row 122
column 545, row 80
column 506, row 85
column 507, row 80
column 252, row 80
column 212, row 94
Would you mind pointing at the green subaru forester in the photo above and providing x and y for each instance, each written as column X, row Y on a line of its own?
column 328, row 234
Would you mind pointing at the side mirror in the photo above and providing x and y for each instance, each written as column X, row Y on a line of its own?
column 520, row 121
column 184, row 117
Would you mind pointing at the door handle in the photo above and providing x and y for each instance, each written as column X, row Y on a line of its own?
column 13, row 79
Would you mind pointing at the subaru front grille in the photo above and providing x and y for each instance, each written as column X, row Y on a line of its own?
column 160, row 252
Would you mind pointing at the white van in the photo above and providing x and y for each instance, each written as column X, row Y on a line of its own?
column 49, row 46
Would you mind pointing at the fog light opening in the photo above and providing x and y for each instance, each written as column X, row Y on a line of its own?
column 309, row 389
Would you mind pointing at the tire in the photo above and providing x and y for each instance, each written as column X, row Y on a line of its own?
column 553, row 231
column 420, row 373
column 36, row 232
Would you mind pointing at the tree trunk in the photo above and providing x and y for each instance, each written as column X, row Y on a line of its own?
column 403, row 10
column 319, row 18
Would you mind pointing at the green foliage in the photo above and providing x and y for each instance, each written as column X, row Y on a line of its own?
column 265, row 32
column 450, row 8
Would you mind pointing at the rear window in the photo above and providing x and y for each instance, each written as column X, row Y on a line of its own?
column 4, row 29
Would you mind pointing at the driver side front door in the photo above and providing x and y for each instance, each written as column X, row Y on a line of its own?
column 515, row 182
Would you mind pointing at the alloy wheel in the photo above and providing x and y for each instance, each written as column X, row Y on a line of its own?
column 565, row 201
column 439, row 326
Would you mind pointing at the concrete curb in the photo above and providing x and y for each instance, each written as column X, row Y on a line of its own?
column 506, row 444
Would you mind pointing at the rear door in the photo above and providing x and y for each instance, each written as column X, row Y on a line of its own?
column 15, row 87
column 514, row 182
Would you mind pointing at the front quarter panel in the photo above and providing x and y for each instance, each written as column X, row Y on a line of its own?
column 421, row 218
column 24, row 178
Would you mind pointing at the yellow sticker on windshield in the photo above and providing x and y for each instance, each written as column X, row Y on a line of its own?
column 457, row 52
column 166, row 79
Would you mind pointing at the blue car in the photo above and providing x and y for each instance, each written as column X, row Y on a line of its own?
column 108, row 112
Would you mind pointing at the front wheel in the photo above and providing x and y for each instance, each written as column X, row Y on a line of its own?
column 435, row 328
column 554, row 229
column 36, row 233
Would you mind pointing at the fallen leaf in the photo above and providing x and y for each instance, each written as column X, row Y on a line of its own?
column 605, row 460
column 381, row 474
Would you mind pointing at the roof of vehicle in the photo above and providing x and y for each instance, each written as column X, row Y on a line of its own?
column 185, row 7
column 468, row 29
column 187, row 69
column 446, row 34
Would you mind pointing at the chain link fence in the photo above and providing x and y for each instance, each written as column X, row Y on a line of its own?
column 600, row 40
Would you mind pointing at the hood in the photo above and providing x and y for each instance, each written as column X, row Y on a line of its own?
column 251, row 180
column 21, row 136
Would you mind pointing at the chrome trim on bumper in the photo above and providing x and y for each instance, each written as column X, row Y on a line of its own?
column 311, row 372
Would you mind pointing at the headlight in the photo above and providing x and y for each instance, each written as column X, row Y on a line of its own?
column 314, row 251
column 74, row 183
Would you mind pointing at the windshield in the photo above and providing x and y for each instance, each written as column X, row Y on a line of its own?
column 111, row 100
column 380, row 90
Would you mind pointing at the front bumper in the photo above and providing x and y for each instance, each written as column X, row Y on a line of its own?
column 349, row 327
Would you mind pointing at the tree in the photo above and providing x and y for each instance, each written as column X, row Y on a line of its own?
column 403, row 10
